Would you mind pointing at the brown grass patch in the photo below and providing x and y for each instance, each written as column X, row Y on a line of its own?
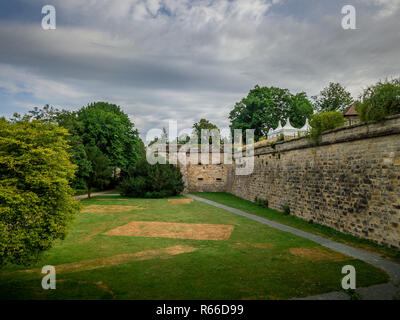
column 318, row 254
column 262, row 245
column 86, row 265
column 174, row 230
column 109, row 208
column 180, row 201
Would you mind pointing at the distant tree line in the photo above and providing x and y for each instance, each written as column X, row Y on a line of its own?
column 264, row 107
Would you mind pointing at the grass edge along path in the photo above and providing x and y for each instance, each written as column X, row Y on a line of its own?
column 392, row 268
column 301, row 224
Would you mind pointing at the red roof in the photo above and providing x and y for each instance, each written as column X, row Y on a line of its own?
column 351, row 110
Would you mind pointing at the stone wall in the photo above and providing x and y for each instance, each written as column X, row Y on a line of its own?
column 207, row 173
column 350, row 182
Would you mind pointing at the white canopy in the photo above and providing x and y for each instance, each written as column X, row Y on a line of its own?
column 288, row 130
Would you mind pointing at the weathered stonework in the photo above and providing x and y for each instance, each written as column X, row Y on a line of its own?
column 350, row 181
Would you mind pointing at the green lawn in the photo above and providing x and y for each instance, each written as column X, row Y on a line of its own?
column 250, row 207
column 256, row 262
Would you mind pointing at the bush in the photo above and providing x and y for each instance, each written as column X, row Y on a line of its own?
column 152, row 181
column 321, row 122
column 286, row 209
column 36, row 203
column 379, row 101
column 261, row 202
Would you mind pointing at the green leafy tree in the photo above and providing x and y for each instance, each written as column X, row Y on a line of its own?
column 101, row 170
column 107, row 127
column 379, row 101
column 69, row 121
column 264, row 107
column 203, row 124
column 334, row 97
column 36, row 203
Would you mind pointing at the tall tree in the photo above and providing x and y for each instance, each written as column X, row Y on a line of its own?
column 107, row 127
column 264, row 107
column 203, row 124
column 101, row 170
column 334, row 97
column 68, row 120
column 36, row 203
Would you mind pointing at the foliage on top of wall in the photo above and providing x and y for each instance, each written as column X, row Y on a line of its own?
column 379, row 101
column 321, row 122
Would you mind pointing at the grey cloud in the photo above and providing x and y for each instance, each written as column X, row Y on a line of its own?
column 197, row 62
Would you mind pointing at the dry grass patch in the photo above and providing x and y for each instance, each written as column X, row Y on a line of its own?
column 109, row 208
column 262, row 245
column 92, row 264
column 174, row 230
column 180, row 201
column 318, row 254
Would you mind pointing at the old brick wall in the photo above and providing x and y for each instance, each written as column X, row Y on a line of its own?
column 350, row 182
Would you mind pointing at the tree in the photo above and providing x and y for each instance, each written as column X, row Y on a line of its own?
column 264, row 107
column 36, row 203
column 379, row 101
column 107, row 127
column 69, row 121
column 334, row 97
column 204, row 124
column 101, row 170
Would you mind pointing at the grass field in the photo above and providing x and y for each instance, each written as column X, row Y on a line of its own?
column 249, row 261
column 250, row 207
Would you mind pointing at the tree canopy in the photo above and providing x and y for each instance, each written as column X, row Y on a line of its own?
column 36, row 201
column 101, row 125
column 264, row 107
column 203, row 124
column 107, row 127
column 334, row 97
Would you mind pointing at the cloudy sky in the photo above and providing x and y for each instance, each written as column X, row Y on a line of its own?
column 188, row 59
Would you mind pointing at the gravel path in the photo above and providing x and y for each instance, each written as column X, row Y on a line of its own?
column 102, row 193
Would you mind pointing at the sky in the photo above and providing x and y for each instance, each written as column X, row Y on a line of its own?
column 184, row 60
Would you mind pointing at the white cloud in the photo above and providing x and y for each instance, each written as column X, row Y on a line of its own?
column 387, row 7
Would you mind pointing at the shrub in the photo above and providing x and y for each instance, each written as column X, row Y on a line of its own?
column 152, row 181
column 286, row 209
column 321, row 122
column 379, row 101
column 261, row 202
column 265, row 203
column 36, row 203
column 134, row 187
